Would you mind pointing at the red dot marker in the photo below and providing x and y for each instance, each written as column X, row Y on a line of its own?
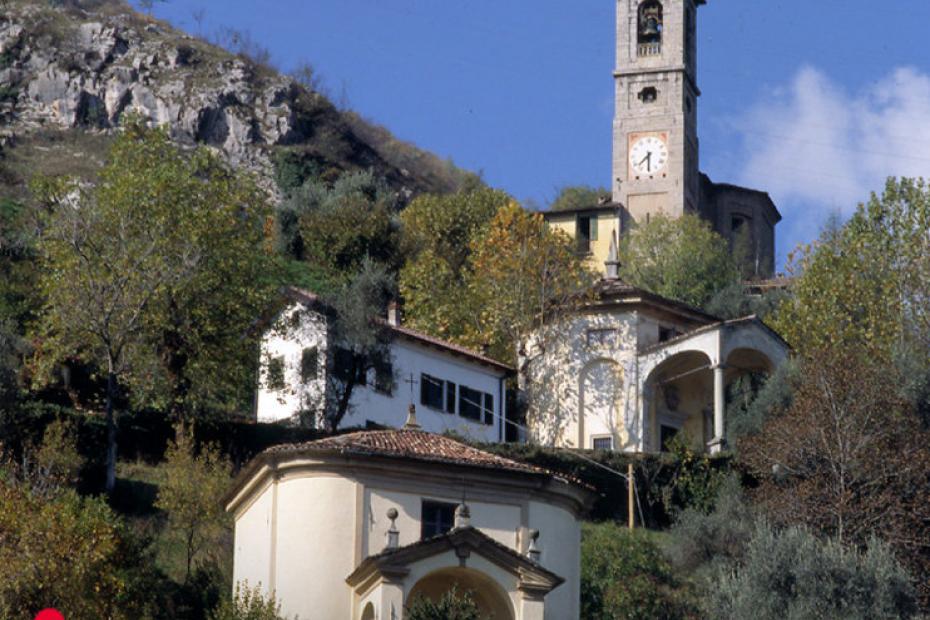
column 50, row 614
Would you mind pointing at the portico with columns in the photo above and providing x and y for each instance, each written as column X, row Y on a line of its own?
column 629, row 370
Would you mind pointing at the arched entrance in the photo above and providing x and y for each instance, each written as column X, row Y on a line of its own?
column 678, row 398
column 369, row 612
column 490, row 597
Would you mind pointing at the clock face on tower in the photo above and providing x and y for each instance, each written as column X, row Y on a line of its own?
column 648, row 155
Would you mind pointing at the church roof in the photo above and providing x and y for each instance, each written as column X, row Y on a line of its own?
column 463, row 540
column 409, row 444
column 615, row 290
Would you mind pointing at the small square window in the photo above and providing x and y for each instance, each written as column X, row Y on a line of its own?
column 648, row 94
column 436, row 518
column 602, row 443
column 488, row 409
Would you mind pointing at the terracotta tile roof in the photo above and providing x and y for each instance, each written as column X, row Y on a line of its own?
column 410, row 444
column 609, row 290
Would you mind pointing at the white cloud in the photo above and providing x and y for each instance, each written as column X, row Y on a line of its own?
column 819, row 149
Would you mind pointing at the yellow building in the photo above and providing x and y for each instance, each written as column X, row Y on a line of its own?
column 592, row 228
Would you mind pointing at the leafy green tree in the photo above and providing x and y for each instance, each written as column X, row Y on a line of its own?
column 624, row 575
column 453, row 605
column 156, row 275
column 247, row 604
column 332, row 228
column 361, row 336
column 520, row 269
column 191, row 497
column 438, row 232
column 578, row 197
column 679, row 258
column 864, row 284
column 791, row 574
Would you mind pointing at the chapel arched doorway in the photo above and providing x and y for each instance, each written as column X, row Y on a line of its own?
column 489, row 596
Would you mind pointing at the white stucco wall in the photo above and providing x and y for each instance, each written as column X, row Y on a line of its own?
column 287, row 340
column 303, row 535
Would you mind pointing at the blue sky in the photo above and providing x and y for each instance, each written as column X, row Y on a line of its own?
column 815, row 102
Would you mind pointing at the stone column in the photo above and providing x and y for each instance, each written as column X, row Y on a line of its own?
column 720, row 404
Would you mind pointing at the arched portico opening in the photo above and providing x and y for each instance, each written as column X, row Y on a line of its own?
column 678, row 401
column 489, row 596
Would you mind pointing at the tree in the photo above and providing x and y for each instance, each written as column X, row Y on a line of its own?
column 191, row 496
column 156, row 275
column 438, row 232
column 864, row 284
column 679, row 258
column 578, row 197
column 792, row 574
column 69, row 552
column 520, row 270
column 846, row 457
column 623, row 575
column 332, row 228
column 360, row 335
column 453, row 605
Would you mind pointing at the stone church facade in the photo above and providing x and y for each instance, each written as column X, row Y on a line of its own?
column 656, row 163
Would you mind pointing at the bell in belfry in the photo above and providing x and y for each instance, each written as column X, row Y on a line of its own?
column 652, row 27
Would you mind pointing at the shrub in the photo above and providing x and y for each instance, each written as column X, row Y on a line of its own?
column 247, row 604
column 790, row 574
column 453, row 605
column 624, row 575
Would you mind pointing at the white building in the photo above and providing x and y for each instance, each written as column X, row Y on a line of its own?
column 357, row 526
column 456, row 389
column 629, row 370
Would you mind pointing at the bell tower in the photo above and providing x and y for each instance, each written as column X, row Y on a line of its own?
column 655, row 144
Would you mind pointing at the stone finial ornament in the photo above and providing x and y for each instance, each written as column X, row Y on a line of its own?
column 393, row 534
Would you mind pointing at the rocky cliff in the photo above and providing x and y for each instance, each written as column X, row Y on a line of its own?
column 69, row 72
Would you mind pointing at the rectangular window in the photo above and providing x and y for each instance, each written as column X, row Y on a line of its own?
column 345, row 362
column 476, row 405
column 470, row 403
column 274, row 374
column 436, row 518
column 583, row 236
column 384, row 377
column 450, row 397
column 602, row 443
column 431, row 392
column 309, row 363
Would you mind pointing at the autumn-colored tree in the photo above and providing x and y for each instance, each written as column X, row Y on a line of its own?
column 68, row 552
column 679, row 258
column 520, row 270
column 864, row 284
column 438, row 233
column 191, row 496
column 849, row 457
column 155, row 276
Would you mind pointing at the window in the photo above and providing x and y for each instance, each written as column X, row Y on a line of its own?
column 309, row 363
column 586, row 228
column 666, row 435
column 431, row 392
column 274, row 373
column 602, row 443
column 601, row 337
column 345, row 363
column 667, row 333
column 476, row 405
column 648, row 95
column 450, row 397
column 384, row 376
column 436, row 518
column 649, row 31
